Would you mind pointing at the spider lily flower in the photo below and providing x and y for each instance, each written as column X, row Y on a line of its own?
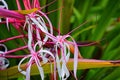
column 35, row 14
column 62, row 44
column 35, row 23
column 35, row 57
column 33, row 10
column 59, row 41
column 33, row 19
column 11, row 17
column 39, row 25
column 4, row 63
column 32, row 13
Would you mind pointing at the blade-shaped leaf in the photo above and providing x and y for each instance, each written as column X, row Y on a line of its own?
column 82, row 64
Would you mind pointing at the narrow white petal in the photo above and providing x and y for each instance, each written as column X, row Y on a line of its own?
column 58, row 63
column 51, row 27
column 38, row 25
column 29, row 37
column 47, row 52
column 2, row 45
column 65, row 72
column 75, row 56
column 4, row 63
column 39, row 68
column 39, row 43
column 28, row 72
column 19, row 69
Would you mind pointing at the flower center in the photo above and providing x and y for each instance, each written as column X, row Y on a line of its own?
column 34, row 54
column 60, row 39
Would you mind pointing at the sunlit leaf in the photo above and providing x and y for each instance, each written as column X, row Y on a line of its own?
column 82, row 64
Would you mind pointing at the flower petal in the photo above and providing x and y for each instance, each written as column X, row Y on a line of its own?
column 9, row 13
column 75, row 56
column 4, row 63
column 51, row 27
column 65, row 73
column 28, row 72
column 39, row 68
column 19, row 69
column 4, row 4
column 2, row 45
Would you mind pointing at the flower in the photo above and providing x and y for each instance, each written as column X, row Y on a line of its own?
column 4, row 63
column 61, row 42
column 31, row 19
column 36, row 23
column 35, row 57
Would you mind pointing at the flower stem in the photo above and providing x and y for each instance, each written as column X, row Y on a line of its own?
column 17, row 49
column 12, row 38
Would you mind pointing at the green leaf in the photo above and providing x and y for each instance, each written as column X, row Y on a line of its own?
column 113, row 75
column 82, row 64
column 103, row 23
column 65, row 15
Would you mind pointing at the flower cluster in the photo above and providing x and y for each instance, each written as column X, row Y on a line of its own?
column 37, row 29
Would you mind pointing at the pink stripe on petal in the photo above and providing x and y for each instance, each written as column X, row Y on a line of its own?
column 36, row 4
column 27, row 4
column 9, row 13
column 18, row 4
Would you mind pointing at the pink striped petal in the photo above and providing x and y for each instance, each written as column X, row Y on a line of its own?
column 9, row 13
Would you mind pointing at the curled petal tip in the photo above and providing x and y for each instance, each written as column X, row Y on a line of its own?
column 4, row 63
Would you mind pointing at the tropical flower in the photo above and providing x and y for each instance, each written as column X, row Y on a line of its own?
column 35, row 57
column 31, row 19
column 36, row 24
column 62, row 55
